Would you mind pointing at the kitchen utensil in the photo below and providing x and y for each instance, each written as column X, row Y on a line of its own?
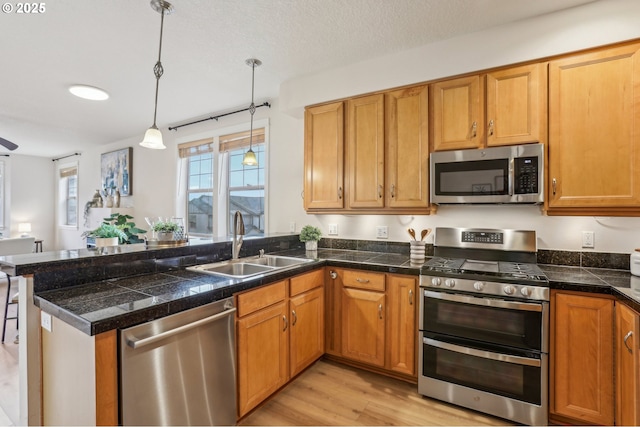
column 424, row 233
column 412, row 233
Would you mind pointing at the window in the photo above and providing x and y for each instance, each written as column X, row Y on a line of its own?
column 218, row 184
column 68, row 191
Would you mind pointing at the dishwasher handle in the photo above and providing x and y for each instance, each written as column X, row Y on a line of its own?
column 137, row 343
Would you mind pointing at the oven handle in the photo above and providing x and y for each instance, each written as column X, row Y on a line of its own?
column 486, row 302
column 518, row 360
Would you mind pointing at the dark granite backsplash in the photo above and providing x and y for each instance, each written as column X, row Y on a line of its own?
column 370, row 246
column 584, row 259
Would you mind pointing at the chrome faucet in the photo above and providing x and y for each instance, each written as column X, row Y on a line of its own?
column 238, row 233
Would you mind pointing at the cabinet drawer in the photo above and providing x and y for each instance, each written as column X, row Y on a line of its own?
column 363, row 280
column 259, row 298
column 304, row 282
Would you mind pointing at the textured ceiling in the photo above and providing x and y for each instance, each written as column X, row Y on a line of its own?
column 113, row 44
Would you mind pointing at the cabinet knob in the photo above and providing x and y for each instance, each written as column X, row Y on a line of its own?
column 333, row 274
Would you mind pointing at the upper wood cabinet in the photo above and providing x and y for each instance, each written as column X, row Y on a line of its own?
column 503, row 107
column 324, row 157
column 458, row 113
column 365, row 151
column 407, row 158
column 581, row 358
column 594, row 132
column 627, row 366
column 386, row 150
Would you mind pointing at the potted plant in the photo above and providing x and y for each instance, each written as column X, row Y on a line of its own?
column 106, row 235
column 165, row 230
column 310, row 236
column 129, row 227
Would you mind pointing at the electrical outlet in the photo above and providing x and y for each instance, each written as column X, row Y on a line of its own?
column 292, row 227
column 45, row 320
column 382, row 232
column 333, row 229
column 588, row 239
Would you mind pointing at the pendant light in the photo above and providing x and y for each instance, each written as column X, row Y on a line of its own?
column 153, row 136
column 250, row 157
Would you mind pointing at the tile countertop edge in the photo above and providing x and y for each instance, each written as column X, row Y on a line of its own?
column 591, row 284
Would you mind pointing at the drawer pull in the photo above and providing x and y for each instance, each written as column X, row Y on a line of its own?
column 295, row 318
column 626, row 337
column 359, row 280
column 285, row 323
column 410, row 296
column 380, row 311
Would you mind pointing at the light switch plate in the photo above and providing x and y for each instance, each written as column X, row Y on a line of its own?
column 382, row 232
column 45, row 320
column 333, row 229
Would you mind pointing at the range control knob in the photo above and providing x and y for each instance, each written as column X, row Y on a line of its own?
column 435, row 281
column 509, row 290
column 450, row 283
column 526, row 292
column 478, row 286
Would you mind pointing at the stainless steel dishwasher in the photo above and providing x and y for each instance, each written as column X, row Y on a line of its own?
column 180, row 369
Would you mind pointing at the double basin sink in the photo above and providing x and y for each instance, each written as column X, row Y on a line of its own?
column 250, row 266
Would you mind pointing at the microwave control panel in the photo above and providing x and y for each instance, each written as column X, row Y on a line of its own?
column 526, row 175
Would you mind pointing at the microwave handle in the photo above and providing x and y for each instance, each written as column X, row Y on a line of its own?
column 511, row 177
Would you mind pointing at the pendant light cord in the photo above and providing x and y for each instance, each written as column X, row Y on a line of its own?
column 158, row 70
column 252, row 107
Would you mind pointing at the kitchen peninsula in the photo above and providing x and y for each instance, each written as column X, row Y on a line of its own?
column 90, row 295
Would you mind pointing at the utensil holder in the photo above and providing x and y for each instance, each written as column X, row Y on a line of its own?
column 417, row 251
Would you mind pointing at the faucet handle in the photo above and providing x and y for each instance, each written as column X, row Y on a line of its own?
column 260, row 253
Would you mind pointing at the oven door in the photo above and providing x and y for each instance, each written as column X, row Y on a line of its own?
column 493, row 321
column 511, row 375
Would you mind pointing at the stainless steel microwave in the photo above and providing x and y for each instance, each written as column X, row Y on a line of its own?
column 510, row 174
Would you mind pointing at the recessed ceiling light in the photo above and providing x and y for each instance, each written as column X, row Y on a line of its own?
column 89, row 92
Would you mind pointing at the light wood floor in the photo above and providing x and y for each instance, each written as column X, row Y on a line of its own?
column 329, row 393
column 9, row 406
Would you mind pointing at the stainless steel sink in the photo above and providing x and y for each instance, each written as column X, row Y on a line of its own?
column 277, row 260
column 250, row 266
column 238, row 270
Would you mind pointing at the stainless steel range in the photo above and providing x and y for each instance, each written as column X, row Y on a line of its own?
column 484, row 321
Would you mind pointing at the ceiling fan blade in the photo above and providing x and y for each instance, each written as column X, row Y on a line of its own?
column 8, row 144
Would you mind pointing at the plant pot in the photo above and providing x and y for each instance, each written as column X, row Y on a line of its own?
column 164, row 236
column 102, row 242
column 311, row 245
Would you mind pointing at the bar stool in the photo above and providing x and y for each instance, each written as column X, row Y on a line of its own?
column 9, row 301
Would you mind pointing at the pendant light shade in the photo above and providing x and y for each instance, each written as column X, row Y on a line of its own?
column 153, row 136
column 250, row 157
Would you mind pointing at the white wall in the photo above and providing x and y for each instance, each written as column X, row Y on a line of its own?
column 602, row 22
column 30, row 196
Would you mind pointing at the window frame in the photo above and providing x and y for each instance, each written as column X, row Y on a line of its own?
column 63, row 196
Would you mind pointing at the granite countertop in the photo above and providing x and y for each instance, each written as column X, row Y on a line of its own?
column 110, row 304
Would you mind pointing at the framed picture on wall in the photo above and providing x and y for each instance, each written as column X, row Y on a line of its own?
column 116, row 171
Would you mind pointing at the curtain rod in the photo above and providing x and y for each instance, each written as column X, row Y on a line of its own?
column 266, row 104
column 64, row 157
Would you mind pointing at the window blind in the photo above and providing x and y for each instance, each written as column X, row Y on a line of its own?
column 195, row 148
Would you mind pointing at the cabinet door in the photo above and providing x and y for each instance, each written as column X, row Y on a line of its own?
column 307, row 329
column 517, row 105
column 594, row 129
column 407, row 158
column 582, row 358
column 401, row 324
column 458, row 113
column 324, row 156
column 627, row 360
column 263, row 349
column 365, row 142
column 363, row 325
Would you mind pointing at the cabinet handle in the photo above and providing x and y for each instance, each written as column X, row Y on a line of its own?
column 359, row 280
column 393, row 191
column 333, row 274
column 285, row 323
column 380, row 311
column 474, row 129
column 410, row 296
column 339, row 192
column 380, row 191
column 490, row 127
column 553, row 185
column 295, row 318
column 626, row 337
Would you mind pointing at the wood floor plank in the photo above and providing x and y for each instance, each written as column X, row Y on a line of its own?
column 329, row 393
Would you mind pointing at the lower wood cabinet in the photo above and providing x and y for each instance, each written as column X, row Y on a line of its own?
column 581, row 355
column 371, row 319
column 280, row 331
column 627, row 366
